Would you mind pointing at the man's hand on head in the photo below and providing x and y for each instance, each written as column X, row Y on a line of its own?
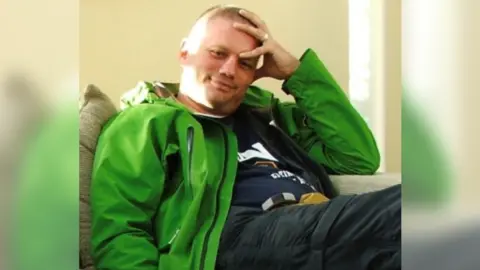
column 278, row 63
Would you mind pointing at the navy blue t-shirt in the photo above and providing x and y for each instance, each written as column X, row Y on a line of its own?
column 261, row 175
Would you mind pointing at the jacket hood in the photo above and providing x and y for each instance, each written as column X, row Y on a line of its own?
column 148, row 92
column 153, row 92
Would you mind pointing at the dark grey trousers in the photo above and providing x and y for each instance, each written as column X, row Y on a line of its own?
column 354, row 232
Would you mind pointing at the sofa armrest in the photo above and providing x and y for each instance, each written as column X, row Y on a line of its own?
column 355, row 184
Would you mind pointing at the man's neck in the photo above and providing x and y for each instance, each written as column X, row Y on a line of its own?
column 197, row 108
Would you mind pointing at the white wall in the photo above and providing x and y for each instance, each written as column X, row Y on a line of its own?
column 40, row 41
column 391, row 82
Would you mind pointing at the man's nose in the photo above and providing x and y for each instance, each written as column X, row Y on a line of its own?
column 229, row 67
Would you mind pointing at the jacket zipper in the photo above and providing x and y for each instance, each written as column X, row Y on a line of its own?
column 222, row 180
column 190, row 133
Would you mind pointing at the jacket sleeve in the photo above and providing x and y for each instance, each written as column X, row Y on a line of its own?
column 325, row 123
column 126, row 187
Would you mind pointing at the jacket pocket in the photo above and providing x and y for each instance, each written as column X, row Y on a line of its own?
column 190, row 144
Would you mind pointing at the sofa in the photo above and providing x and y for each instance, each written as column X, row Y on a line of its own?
column 95, row 110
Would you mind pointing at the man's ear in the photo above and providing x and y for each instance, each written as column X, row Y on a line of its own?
column 183, row 52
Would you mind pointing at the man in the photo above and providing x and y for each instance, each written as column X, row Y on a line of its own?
column 221, row 175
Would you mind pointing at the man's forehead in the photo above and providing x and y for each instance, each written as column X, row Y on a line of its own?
column 222, row 33
column 220, row 24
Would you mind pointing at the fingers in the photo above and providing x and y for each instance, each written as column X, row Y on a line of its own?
column 255, row 32
column 253, row 18
column 257, row 52
column 259, row 32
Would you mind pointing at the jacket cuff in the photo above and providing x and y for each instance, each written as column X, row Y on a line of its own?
column 309, row 63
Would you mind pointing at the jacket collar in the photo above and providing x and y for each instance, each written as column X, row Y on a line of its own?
column 158, row 91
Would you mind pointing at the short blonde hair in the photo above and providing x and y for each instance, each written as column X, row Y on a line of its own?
column 222, row 10
column 231, row 12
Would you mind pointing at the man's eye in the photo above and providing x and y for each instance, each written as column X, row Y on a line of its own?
column 217, row 53
column 246, row 65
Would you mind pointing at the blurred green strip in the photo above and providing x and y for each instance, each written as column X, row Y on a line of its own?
column 45, row 222
column 426, row 172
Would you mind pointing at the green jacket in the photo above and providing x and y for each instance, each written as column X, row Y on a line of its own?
column 163, row 178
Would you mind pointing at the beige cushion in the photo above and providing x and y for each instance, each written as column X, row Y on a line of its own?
column 95, row 110
column 356, row 184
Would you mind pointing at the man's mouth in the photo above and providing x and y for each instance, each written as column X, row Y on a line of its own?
column 221, row 84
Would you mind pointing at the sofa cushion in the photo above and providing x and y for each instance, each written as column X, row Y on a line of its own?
column 96, row 109
column 356, row 184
